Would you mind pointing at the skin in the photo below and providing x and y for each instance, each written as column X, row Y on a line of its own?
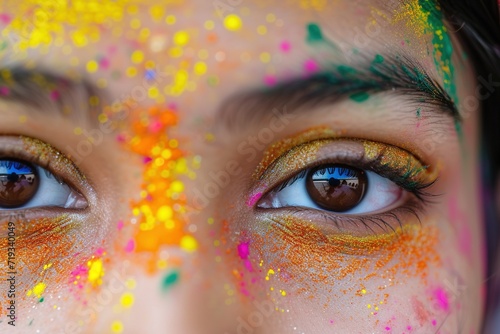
column 199, row 303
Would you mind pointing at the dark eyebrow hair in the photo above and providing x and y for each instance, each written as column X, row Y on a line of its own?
column 48, row 92
column 395, row 75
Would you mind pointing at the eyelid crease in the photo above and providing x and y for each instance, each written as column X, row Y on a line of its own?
column 389, row 161
column 279, row 148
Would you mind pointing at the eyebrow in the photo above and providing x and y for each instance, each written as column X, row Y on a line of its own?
column 47, row 92
column 398, row 76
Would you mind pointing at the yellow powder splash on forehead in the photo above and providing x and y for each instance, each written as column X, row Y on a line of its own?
column 36, row 23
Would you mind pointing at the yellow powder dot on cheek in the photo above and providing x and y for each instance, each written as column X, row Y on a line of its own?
column 181, row 38
column 137, row 57
column 261, row 30
column 117, row 327
column 39, row 289
column 265, row 57
column 95, row 271
column 131, row 72
column 170, row 20
column 189, row 244
column 127, row 299
column 200, row 68
column 209, row 25
column 233, row 22
column 92, row 66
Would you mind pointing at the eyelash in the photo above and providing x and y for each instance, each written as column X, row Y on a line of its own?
column 402, row 177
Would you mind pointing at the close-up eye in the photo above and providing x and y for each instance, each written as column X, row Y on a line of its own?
column 25, row 186
column 337, row 188
column 34, row 175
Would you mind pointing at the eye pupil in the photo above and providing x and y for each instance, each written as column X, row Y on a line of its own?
column 336, row 187
column 19, row 183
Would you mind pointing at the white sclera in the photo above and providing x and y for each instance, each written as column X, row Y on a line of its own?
column 379, row 194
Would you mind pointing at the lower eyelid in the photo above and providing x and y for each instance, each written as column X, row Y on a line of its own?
column 330, row 223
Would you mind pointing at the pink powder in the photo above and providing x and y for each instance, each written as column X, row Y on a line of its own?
column 442, row 299
column 285, row 46
column 311, row 66
column 254, row 199
column 130, row 246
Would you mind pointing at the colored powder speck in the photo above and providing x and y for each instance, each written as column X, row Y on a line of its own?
column 96, row 272
column 379, row 59
column 117, row 327
column 311, row 66
column 254, row 199
column 169, row 280
column 127, row 299
column 285, row 46
column 314, row 33
column 37, row 290
column 442, row 299
column 425, row 17
column 130, row 246
column 359, row 97
column 346, row 70
column 233, row 22
column 189, row 244
column 244, row 250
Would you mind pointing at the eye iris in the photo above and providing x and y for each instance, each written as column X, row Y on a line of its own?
column 19, row 183
column 336, row 187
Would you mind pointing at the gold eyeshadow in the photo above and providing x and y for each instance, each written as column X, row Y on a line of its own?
column 279, row 148
column 330, row 148
column 48, row 155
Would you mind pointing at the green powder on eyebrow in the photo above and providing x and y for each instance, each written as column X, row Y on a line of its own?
column 359, row 97
column 169, row 280
column 443, row 47
column 346, row 70
column 314, row 33
column 418, row 113
column 379, row 59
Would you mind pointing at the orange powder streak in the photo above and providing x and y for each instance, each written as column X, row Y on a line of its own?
column 309, row 255
column 160, row 211
column 43, row 253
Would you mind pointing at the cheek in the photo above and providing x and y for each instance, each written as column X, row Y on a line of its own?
column 408, row 284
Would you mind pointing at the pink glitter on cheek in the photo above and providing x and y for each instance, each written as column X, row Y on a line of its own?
column 442, row 299
column 244, row 252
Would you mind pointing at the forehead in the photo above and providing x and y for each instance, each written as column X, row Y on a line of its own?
column 208, row 48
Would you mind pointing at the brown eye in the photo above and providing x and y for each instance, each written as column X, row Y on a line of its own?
column 19, row 183
column 336, row 187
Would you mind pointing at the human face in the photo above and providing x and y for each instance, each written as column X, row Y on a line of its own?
column 238, row 167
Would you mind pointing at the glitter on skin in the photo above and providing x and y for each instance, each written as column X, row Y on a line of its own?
column 169, row 280
column 425, row 17
column 277, row 149
column 160, row 212
column 37, row 290
column 52, row 21
column 233, row 22
column 309, row 255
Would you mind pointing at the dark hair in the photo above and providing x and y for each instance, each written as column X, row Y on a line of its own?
column 478, row 26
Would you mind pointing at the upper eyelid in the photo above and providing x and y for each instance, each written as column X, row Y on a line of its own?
column 314, row 162
column 48, row 158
